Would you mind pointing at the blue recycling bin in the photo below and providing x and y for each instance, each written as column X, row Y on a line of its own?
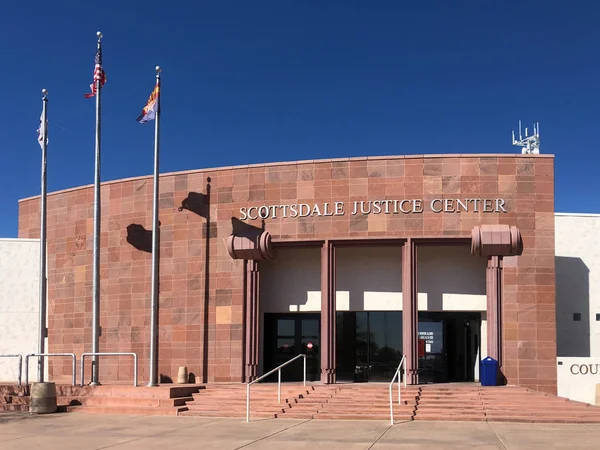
column 489, row 372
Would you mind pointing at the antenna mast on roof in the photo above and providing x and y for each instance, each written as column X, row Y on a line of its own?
column 530, row 144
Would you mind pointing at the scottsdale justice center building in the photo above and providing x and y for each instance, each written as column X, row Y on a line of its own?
column 445, row 259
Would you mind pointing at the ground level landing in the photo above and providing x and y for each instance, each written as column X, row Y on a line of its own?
column 67, row 432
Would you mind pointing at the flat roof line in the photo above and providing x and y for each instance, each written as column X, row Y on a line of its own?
column 563, row 214
column 19, row 239
column 310, row 161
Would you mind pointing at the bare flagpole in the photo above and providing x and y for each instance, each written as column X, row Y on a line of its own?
column 96, row 254
column 43, row 331
column 153, row 376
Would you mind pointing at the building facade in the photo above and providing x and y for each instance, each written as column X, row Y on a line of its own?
column 356, row 262
column 578, row 306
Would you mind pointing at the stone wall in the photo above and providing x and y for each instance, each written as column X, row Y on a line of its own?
column 201, row 314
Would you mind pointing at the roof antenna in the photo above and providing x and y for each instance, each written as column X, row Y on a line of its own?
column 531, row 144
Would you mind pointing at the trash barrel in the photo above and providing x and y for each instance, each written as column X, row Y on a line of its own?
column 489, row 372
column 182, row 375
column 42, row 398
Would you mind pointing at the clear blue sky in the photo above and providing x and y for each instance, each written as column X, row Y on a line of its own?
column 250, row 82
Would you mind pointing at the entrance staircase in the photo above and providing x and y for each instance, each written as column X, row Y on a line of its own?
column 371, row 401
column 451, row 402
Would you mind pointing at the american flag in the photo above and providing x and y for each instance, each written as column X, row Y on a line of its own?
column 99, row 74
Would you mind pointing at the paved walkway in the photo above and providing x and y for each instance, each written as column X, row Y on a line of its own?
column 86, row 431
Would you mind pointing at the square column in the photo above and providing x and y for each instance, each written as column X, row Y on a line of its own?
column 328, row 310
column 252, row 322
column 410, row 311
column 494, row 304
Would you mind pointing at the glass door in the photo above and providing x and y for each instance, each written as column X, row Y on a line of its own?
column 368, row 345
column 288, row 335
column 431, row 350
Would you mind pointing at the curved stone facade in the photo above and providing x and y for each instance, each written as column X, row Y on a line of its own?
column 202, row 289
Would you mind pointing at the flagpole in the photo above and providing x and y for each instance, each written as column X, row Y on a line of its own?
column 43, row 330
column 153, row 376
column 96, row 253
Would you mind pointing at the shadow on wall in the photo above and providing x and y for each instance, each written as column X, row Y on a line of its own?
column 199, row 204
column 139, row 237
column 449, row 270
column 572, row 307
column 243, row 229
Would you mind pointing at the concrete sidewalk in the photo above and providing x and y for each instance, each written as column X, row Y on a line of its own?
column 86, row 431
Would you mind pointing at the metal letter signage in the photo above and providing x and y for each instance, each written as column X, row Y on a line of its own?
column 364, row 207
column 585, row 369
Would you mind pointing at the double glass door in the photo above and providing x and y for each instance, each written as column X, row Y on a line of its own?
column 368, row 345
column 448, row 345
column 288, row 335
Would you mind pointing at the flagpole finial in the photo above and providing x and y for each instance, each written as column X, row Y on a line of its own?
column 99, row 34
column 44, row 92
column 158, row 69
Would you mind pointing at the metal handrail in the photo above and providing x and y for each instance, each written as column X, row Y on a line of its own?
column 135, row 362
column 397, row 374
column 43, row 355
column 20, row 364
column 278, row 369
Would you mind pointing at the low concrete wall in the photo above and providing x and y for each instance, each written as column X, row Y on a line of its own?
column 578, row 378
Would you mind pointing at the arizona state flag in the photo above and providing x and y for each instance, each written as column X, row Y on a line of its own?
column 151, row 108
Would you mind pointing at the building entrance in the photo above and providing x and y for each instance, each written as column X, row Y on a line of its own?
column 368, row 345
column 448, row 346
column 288, row 335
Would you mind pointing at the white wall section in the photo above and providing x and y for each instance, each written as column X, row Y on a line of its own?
column 19, row 304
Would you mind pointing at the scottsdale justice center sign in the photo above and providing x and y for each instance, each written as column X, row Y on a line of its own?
column 406, row 206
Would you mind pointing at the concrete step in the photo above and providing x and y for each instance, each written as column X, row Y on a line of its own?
column 212, row 407
column 451, row 409
column 362, row 416
column 446, row 418
column 162, row 391
column 253, row 414
column 530, row 419
column 13, row 407
column 14, row 399
column 123, row 401
column 138, row 410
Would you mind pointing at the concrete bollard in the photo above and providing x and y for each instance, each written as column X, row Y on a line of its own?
column 182, row 375
column 42, row 399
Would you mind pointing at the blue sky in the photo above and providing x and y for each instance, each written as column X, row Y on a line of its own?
column 250, row 82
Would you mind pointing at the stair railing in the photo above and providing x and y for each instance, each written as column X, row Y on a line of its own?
column 278, row 370
column 402, row 365
column 135, row 362
column 47, row 355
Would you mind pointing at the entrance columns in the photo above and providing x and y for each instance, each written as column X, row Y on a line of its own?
column 410, row 310
column 494, row 304
column 252, row 245
column 328, row 313
column 495, row 242
column 252, row 302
